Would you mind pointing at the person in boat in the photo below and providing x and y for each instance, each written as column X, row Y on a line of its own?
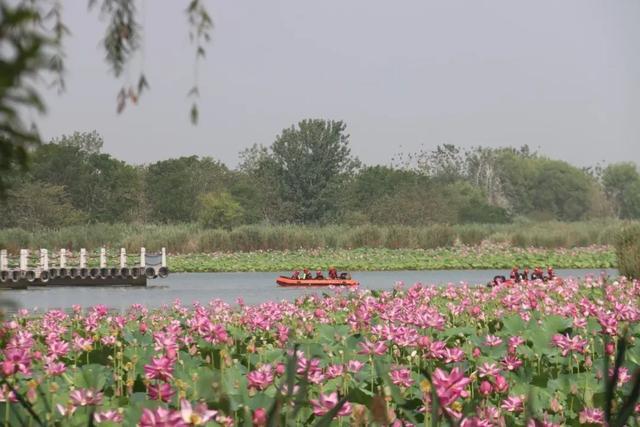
column 295, row 275
column 333, row 273
column 497, row 280
column 514, row 275
column 319, row 275
column 345, row 276
column 537, row 274
column 550, row 273
column 525, row 275
column 306, row 274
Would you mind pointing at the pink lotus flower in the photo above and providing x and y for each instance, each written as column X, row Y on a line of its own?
column 437, row 350
column 401, row 377
column 609, row 323
column 197, row 416
column 453, row 355
column 592, row 416
column 54, row 368
column 378, row 348
column 16, row 360
column 82, row 344
column 160, row 368
column 567, row 345
column 513, row 404
column 492, row 341
column 488, row 370
column 475, row 422
column 260, row 378
column 85, row 397
column 334, row 371
column 161, row 417
column 326, row 402
column 354, row 366
column 623, row 375
column 515, row 342
column 316, row 376
column 110, row 415
column 160, row 391
column 58, row 348
column 511, row 362
column 108, row 340
column 450, row 387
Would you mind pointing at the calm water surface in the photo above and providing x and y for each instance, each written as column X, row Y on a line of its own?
column 252, row 287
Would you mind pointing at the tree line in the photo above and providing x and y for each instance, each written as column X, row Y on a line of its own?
column 308, row 175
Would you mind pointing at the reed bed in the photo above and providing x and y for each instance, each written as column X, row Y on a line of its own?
column 192, row 238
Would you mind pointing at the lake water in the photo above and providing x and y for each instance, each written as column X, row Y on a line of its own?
column 251, row 287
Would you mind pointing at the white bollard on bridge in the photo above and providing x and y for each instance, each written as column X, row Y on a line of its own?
column 123, row 258
column 24, row 254
column 143, row 257
column 63, row 258
column 164, row 258
column 103, row 258
column 83, row 258
column 4, row 261
column 44, row 259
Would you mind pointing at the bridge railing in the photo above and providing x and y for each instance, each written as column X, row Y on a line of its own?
column 43, row 265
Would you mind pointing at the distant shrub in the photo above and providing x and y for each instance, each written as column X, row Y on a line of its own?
column 628, row 251
column 219, row 211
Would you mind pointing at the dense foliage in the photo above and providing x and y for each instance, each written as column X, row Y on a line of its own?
column 552, row 354
column 628, row 251
column 32, row 36
column 308, row 176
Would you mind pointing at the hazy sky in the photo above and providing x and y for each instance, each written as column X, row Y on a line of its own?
column 561, row 76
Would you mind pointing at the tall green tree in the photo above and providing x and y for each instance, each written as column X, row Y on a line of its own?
column 172, row 187
column 36, row 205
column 107, row 189
column 310, row 163
column 621, row 183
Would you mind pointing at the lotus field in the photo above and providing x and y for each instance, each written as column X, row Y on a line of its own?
column 538, row 354
column 484, row 256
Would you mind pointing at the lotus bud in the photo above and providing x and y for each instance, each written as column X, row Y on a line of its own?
column 486, row 388
column 610, row 348
column 501, row 384
column 424, row 342
column 259, row 417
column 555, row 405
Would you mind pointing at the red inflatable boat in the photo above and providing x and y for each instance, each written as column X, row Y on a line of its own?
column 287, row 281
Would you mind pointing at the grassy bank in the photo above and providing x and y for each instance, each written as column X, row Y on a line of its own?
column 191, row 238
column 460, row 257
